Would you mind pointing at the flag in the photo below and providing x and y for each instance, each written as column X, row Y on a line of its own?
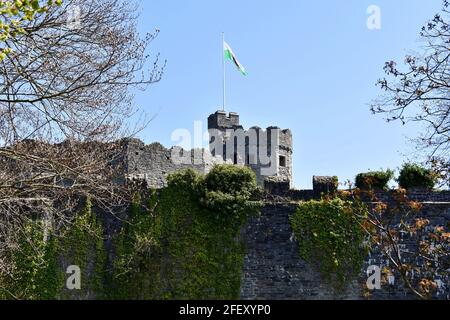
column 229, row 55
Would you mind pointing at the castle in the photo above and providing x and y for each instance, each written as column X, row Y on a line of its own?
column 272, row 267
column 267, row 152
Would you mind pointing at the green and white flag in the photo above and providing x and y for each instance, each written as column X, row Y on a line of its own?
column 229, row 55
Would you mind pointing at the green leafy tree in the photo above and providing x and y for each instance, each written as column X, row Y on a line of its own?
column 13, row 15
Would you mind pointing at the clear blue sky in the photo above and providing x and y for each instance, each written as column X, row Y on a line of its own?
column 312, row 67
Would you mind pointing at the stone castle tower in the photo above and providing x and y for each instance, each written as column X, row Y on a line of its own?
column 268, row 152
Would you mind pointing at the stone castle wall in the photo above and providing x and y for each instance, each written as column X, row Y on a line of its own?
column 274, row 270
column 229, row 143
column 153, row 163
column 272, row 267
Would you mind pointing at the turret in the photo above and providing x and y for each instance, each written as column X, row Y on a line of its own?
column 220, row 120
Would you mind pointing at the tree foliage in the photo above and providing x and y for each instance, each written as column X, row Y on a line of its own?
column 419, row 92
column 66, row 98
column 374, row 180
column 15, row 14
column 410, row 247
column 415, row 176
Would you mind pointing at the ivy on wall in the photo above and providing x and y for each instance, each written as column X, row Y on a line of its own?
column 331, row 238
column 136, row 266
column 35, row 269
column 82, row 245
column 43, row 254
column 184, row 243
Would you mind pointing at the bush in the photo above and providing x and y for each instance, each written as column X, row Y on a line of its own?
column 416, row 176
column 226, row 179
column 377, row 180
column 228, row 189
column 187, row 181
column 230, row 179
column 231, row 190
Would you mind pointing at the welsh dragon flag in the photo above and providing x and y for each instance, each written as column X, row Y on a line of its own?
column 229, row 55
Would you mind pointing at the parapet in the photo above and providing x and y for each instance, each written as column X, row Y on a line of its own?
column 325, row 185
column 220, row 120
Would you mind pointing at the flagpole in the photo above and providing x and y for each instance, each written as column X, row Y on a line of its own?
column 223, row 69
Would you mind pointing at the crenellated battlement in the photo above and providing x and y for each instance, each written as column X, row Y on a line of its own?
column 267, row 152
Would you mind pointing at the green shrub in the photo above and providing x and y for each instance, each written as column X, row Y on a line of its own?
column 330, row 237
column 416, row 176
column 230, row 189
column 230, row 179
column 189, row 183
column 377, row 180
column 226, row 189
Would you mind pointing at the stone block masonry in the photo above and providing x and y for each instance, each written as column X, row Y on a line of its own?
column 153, row 163
column 273, row 268
column 267, row 152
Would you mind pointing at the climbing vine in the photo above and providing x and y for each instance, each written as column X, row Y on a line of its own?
column 137, row 250
column 330, row 237
column 82, row 245
column 184, row 243
column 181, row 242
column 42, row 255
column 34, row 265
